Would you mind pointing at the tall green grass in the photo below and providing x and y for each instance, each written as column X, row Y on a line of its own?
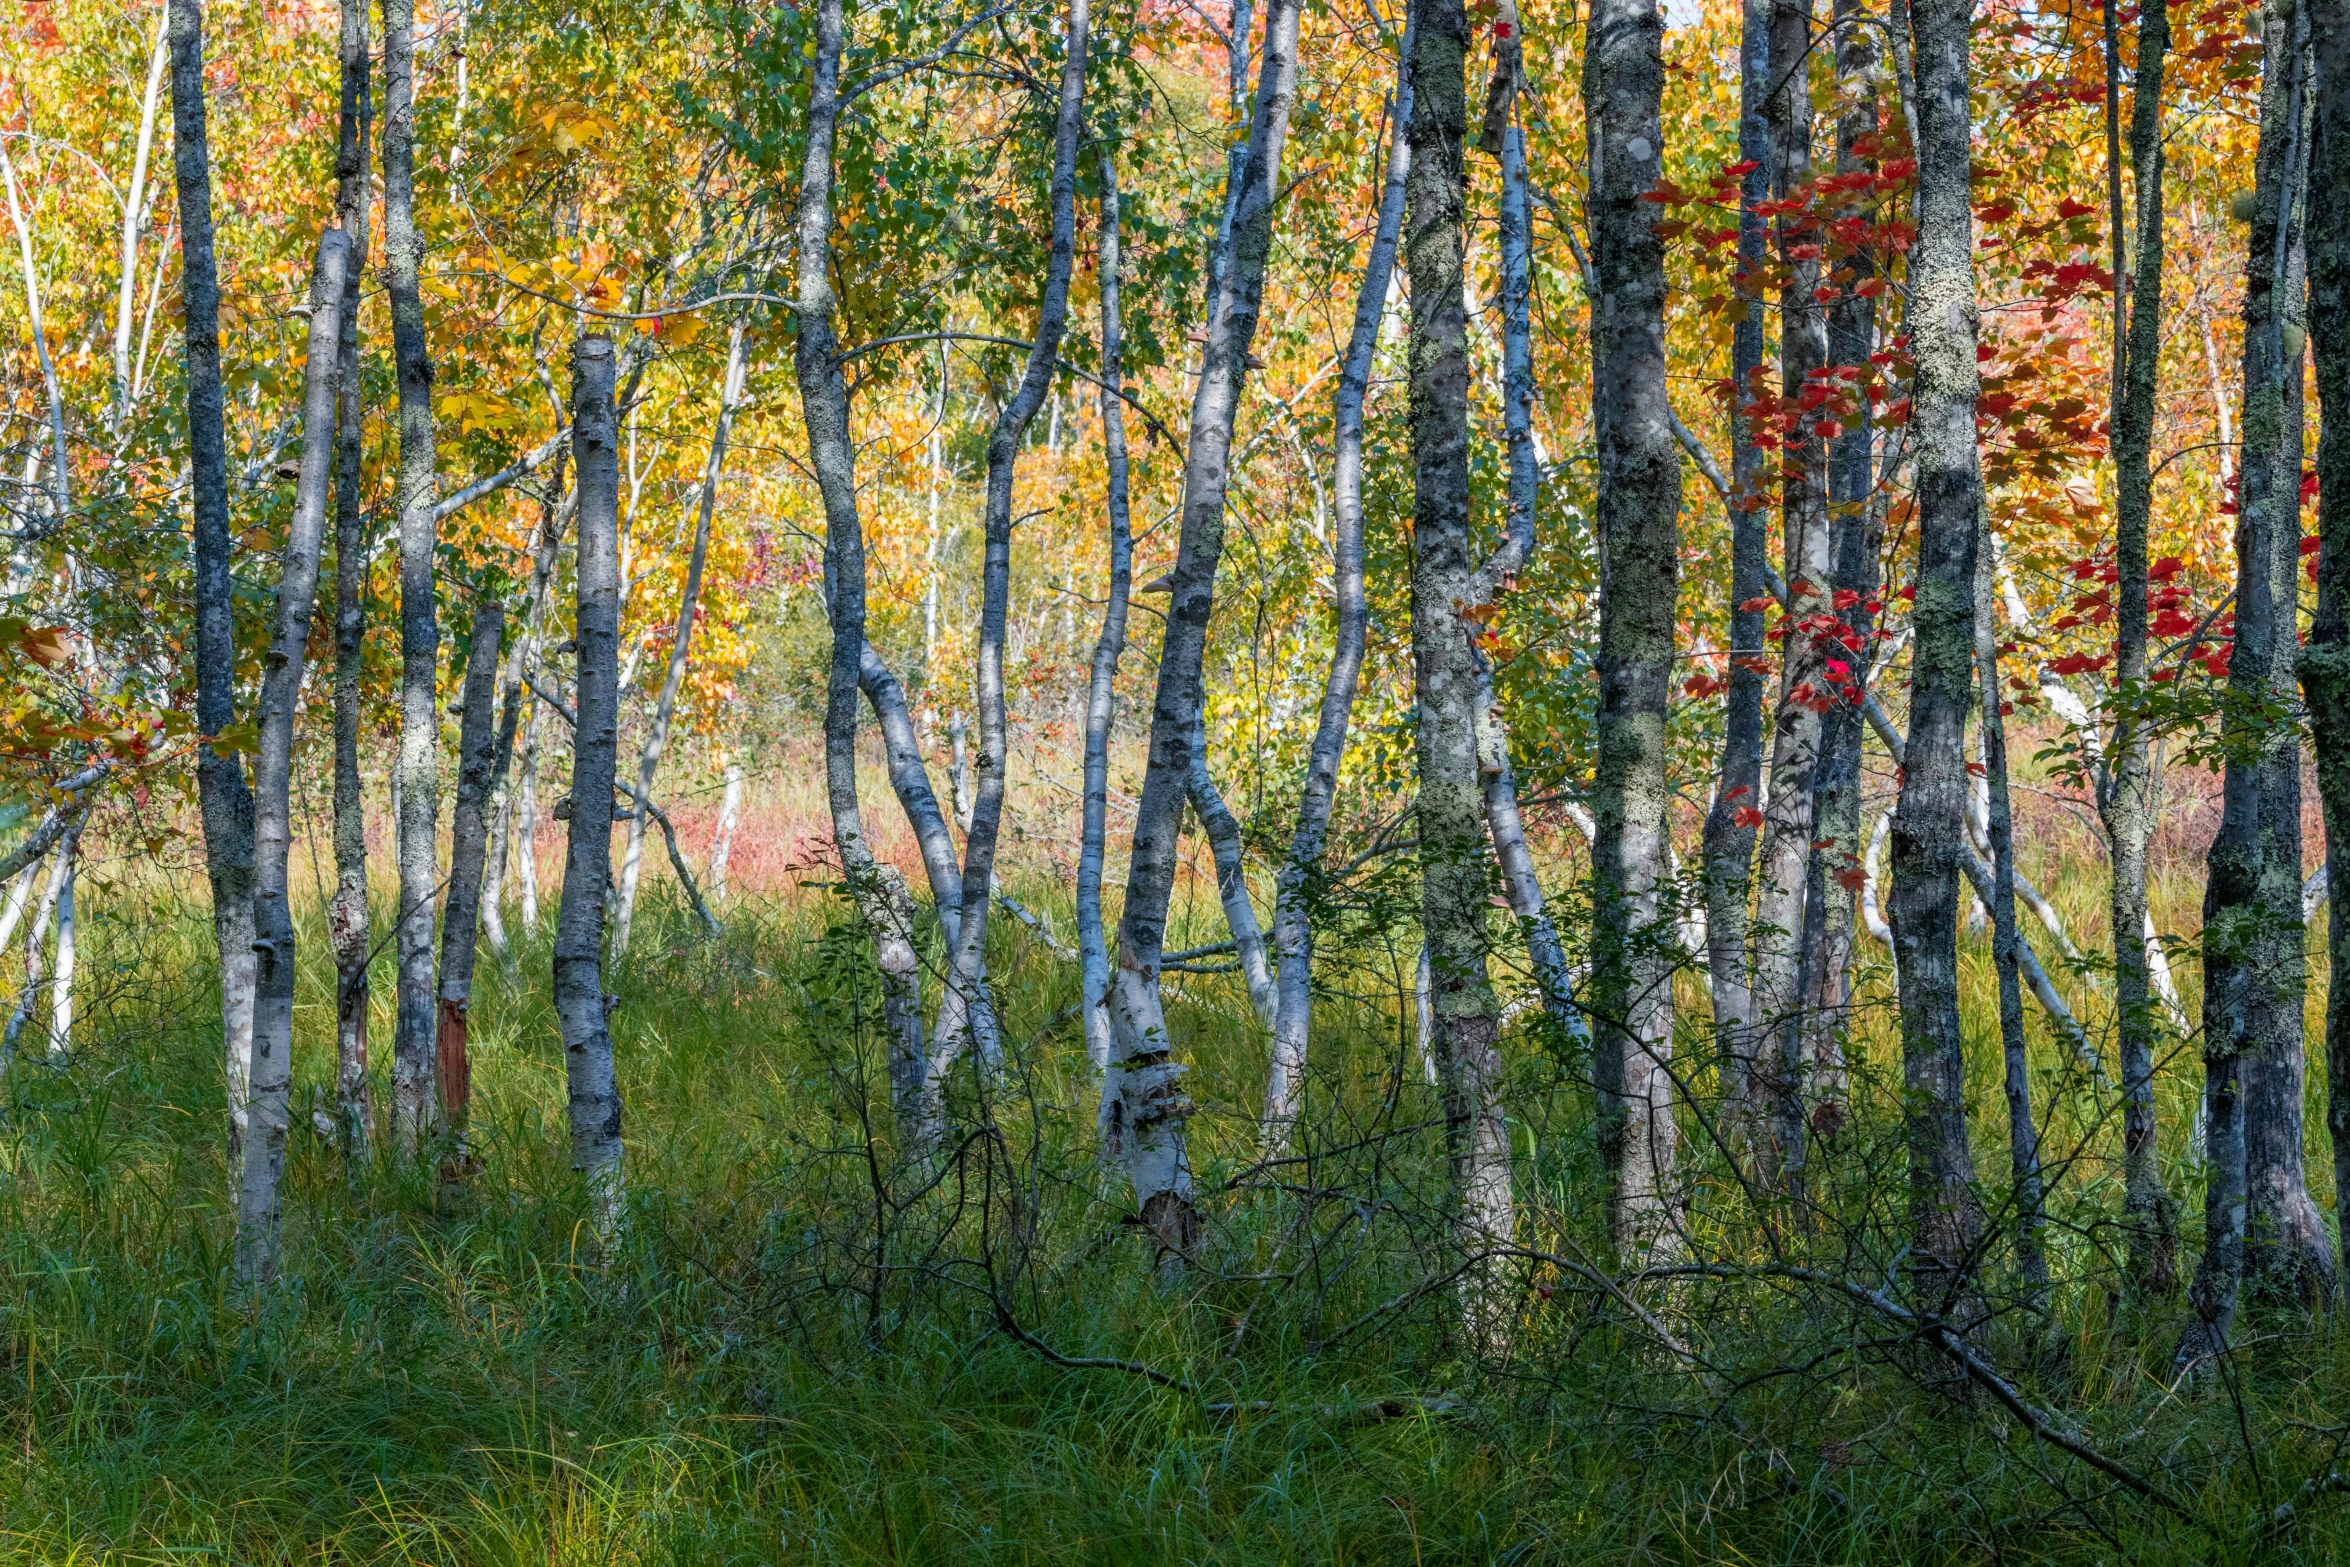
column 800, row 1352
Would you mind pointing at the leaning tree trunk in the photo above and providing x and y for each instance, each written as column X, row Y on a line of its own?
column 227, row 801
column 1637, row 520
column 413, row 499
column 1929, row 825
column 1807, row 631
column 477, row 761
column 2324, row 665
column 965, row 977
column 1730, row 826
column 595, row 752
column 876, row 889
column 1148, row 1109
column 1299, row 885
column 1856, row 527
column 1101, row 694
column 281, row 692
column 2127, row 805
column 681, row 644
column 2243, row 989
column 2286, row 1252
column 347, row 912
column 730, row 810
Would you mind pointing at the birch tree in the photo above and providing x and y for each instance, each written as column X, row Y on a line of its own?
column 1299, row 886
column 580, row 1003
column 413, row 498
column 281, row 689
column 681, row 642
column 1148, row 1109
column 479, row 747
column 1929, row 824
column 1101, row 692
column 2127, row 798
column 225, row 798
column 347, row 921
column 965, row 975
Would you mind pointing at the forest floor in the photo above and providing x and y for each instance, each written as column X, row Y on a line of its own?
column 804, row 1350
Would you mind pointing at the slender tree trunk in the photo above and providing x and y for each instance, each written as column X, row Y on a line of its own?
column 877, row 890
column 2243, row 934
column 1299, row 887
column 681, row 644
column 60, row 463
column 1929, row 826
column 2023, row 1135
column 1222, row 830
column 1804, row 694
column 1730, row 826
column 61, row 977
column 1855, row 523
column 347, row 921
column 966, row 977
column 730, row 811
column 2128, row 797
column 281, row 693
column 1148, row 1109
column 1637, row 521
column 2287, row 1254
column 135, row 209
column 580, row 1003
column 28, row 996
column 1456, row 875
column 413, row 498
column 227, row 801
column 477, row 761
column 1101, row 696
column 2324, row 665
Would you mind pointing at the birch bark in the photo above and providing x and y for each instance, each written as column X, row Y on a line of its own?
column 1101, row 694
column 281, row 691
column 1148, row 1109
column 1637, row 520
column 580, row 1002
column 1929, row 824
column 2127, row 798
column 414, row 494
column 477, row 761
column 966, row 975
column 347, row 920
column 681, row 643
column 1299, row 886
column 225, row 798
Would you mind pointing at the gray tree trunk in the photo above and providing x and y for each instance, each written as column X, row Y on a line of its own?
column 281, row 694
column 1298, row 887
column 2324, row 665
column 1456, row 867
column 966, row 976
column 1929, row 825
column 681, row 644
column 477, row 766
column 1148, row 1109
column 1856, row 527
column 226, row 800
column 347, row 921
column 1731, row 823
column 2249, row 942
column 1637, row 521
column 876, row 889
column 413, row 496
column 580, row 1003
column 2023, row 1135
column 1101, row 694
column 1222, row 830
column 2127, row 803
column 1810, row 565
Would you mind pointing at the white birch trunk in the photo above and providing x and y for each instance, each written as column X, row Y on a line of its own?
column 730, row 810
